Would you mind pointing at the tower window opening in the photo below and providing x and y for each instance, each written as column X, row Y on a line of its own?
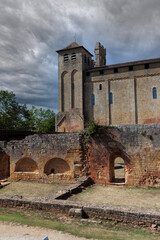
column 93, row 99
column 65, row 57
column 88, row 61
column 146, row 66
column 130, row 68
column 115, row 70
column 100, row 86
column 101, row 72
column 154, row 90
column 85, row 58
column 87, row 73
column 73, row 57
column 110, row 98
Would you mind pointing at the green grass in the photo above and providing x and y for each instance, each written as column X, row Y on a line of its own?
column 106, row 230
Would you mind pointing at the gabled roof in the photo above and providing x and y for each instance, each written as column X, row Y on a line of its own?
column 73, row 45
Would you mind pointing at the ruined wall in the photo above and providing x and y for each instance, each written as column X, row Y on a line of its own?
column 66, row 157
column 137, row 145
column 46, row 157
column 4, row 165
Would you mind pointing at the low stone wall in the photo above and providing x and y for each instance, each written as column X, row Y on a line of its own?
column 119, row 214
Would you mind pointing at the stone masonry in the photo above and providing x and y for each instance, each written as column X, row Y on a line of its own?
column 125, row 93
column 67, row 157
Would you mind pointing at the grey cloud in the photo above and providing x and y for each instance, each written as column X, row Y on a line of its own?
column 32, row 30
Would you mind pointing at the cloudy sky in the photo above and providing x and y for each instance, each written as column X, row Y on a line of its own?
column 32, row 30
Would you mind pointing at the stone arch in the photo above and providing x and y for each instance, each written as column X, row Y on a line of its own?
column 117, row 168
column 64, row 91
column 75, row 86
column 26, row 164
column 56, row 165
column 4, row 165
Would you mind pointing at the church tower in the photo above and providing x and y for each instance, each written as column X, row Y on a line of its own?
column 72, row 61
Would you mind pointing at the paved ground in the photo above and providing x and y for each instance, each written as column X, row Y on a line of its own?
column 10, row 231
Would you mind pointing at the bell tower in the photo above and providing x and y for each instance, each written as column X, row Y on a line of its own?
column 72, row 61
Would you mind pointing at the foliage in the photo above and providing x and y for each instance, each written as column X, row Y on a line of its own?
column 42, row 120
column 150, row 137
column 92, row 129
column 12, row 114
column 16, row 116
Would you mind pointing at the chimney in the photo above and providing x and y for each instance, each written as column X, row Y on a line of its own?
column 100, row 55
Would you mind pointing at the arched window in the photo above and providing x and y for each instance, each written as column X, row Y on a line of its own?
column 65, row 57
column 73, row 57
column 110, row 98
column 93, row 99
column 85, row 58
column 154, row 90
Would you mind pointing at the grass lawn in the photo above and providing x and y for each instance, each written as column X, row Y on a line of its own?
column 104, row 230
column 120, row 196
column 31, row 189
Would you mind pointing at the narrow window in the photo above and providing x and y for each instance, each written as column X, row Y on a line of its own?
column 85, row 58
column 101, row 72
column 87, row 73
column 110, row 98
column 130, row 68
column 73, row 57
column 88, row 61
column 146, row 66
column 100, row 86
column 93, row 99
column 65, row 57
column 154, row 93
column 115, row 70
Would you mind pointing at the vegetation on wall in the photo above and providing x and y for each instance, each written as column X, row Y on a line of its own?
column 16, row 116
column 94, row 128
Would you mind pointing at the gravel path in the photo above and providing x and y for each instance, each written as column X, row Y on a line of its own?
column 11, row 231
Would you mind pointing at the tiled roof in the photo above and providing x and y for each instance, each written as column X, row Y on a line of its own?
column 73, row 45
column 126, row 64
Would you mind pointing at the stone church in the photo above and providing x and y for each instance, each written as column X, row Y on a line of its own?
column 125, row 93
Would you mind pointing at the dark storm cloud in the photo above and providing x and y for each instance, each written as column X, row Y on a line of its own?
column 32, row 30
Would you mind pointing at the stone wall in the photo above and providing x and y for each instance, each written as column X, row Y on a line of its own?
column 45, row 157
column 137, row 145
column 120, row 214
column 66, row 157
column 132, row 95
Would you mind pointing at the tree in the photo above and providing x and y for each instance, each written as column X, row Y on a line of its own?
column 16, row 116
column 42, row 120
column 12, row 114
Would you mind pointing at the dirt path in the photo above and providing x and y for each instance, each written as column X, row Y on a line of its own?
column 11, row 231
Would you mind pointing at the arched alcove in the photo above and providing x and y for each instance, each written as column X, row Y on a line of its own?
column 4, row 165
column 74, row 89
column 56, row 165
column 26, row 165
column 117, row 169
column 65, row 91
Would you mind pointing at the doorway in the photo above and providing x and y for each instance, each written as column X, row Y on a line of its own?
column 117, row 169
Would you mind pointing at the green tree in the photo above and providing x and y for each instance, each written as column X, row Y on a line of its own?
column 12, row 114
column 42, row 120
